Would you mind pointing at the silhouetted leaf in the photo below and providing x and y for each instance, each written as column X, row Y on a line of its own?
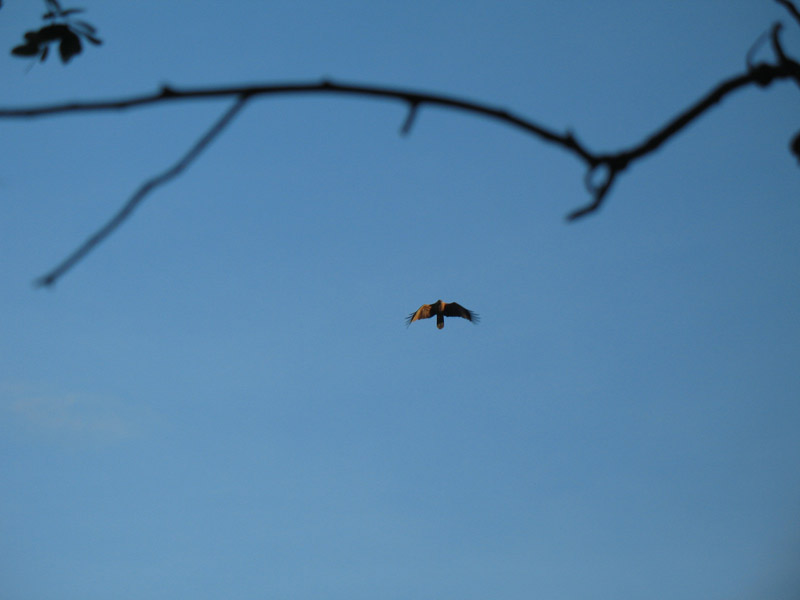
column 53, row 4
column 94, row 40
column 36, row 42
column 50, row 14
column 795, row 145
column 45, row 52
column 29, row 49
column 70, row 46
column 49, row 33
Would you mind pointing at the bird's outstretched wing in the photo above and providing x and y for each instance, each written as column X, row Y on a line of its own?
column 454, row 309
column 423, row 312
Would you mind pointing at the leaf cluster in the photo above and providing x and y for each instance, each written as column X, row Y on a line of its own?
column 60, row 29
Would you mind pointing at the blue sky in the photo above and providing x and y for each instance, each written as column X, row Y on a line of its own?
column 223, row 400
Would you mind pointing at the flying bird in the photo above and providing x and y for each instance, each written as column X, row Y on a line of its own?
column 441, row 309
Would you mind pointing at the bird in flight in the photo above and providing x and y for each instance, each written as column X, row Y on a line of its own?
column 441, row 309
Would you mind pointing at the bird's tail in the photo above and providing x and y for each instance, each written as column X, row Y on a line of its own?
column 440, row 321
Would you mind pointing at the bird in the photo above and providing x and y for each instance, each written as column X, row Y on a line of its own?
column 441, row 309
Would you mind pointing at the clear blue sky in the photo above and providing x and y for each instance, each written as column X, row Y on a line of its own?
column 223, row 401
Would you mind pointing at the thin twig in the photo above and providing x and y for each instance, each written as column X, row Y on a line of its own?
column 409, row 122
column 101, row 234
column 751, row 54
column 791, row 8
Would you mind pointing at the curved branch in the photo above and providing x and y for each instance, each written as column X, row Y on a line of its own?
column 760, row 75
column 791, row 8
column 598, row 191
column 122, row 215
column 652, row 143
column 410, row 97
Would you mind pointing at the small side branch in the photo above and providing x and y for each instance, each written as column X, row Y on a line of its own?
column 791, row 8
column 597, row 190
column 409, row 122
column 122, row 215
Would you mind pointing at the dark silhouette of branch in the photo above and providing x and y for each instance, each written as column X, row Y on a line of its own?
column 791, row 8
column 101, row 234
column 609, row 165
column 409, row 122
column 761, row 75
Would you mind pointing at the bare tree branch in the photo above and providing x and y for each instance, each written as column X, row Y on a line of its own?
column 325, row 87
column 791, row 8
column 101, row 234
column 761, row 75
column 611, row 164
